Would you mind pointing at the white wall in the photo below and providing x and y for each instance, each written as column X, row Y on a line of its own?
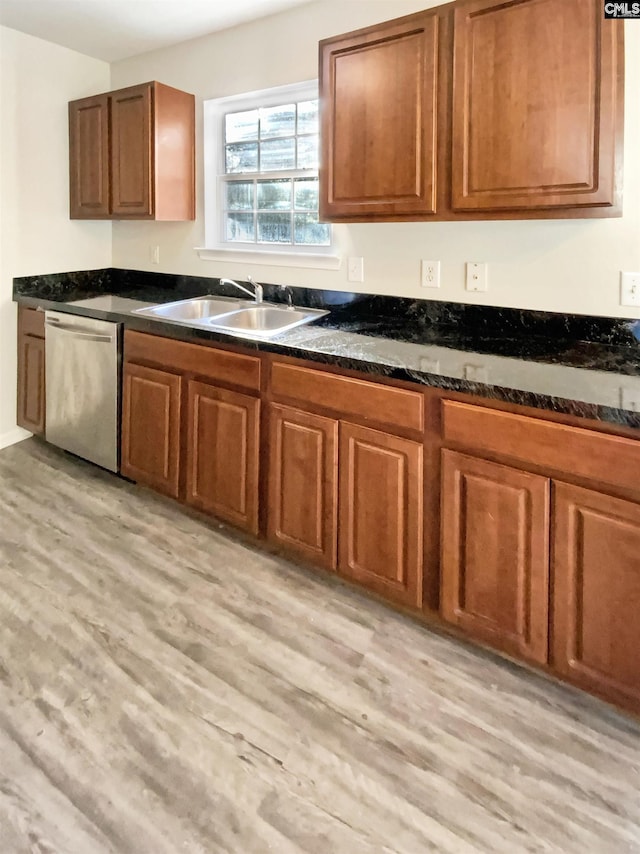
column 557, row 265
column 37, row 79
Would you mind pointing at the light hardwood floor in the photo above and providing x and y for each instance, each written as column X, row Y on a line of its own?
column 164, row 688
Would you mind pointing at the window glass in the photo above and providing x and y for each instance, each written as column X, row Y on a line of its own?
column 274, row 195
column 241, row 126
column 274, row 228
column 258, row 206
column 278, row 121
column 277, row 154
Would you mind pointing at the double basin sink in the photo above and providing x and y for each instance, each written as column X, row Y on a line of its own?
column 259, row 320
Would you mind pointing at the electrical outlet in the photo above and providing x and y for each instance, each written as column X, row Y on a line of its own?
column 476, row 373
column 429, row 366
column 630, row 398
column 630, row 289
column 154, row 254
column 477, row 276
column 355, row 269
column 430, row 274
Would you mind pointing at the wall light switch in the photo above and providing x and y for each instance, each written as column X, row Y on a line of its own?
column 630, row 289
column 477, row 276
column 154, row 254
column 355, row 269
column 430, row 274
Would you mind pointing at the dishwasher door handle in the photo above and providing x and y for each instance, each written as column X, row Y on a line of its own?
column 73, row 330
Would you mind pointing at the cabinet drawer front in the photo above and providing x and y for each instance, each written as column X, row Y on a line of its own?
column 532, row 441
column 222, row 365
column 396, row 407
column 31, row 321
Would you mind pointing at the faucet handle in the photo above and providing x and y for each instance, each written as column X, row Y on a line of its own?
column 259, row 291
column 287, row 293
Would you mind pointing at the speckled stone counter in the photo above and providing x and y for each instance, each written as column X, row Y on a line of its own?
column 585, row 366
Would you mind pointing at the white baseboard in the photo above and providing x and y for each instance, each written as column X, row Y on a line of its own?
column 13, row 436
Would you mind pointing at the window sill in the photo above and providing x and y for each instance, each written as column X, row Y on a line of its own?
column 306, row 260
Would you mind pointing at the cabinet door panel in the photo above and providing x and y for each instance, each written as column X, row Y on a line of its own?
column 534, row 105
column 380, row 512
column 131, row 152
column 31, row 383
column 495, row 554
column 89, row 158
column 303, row 483
column 378, row 123
column 222, row 454
column 151, row 427
column 597, row 593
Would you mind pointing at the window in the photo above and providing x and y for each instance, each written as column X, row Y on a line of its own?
column 261, row 172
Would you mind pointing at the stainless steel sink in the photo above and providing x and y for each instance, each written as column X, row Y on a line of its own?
column 264, row 321
column 237, row 317
column 192, row 310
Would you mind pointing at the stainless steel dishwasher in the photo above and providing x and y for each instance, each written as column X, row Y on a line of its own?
column 82, row 386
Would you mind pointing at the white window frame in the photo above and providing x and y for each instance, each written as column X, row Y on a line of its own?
column 216, row 248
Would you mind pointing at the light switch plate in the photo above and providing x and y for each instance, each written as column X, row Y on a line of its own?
column 355, row 269
column 630, row 289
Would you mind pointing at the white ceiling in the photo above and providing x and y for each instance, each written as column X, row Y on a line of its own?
column 115, row 29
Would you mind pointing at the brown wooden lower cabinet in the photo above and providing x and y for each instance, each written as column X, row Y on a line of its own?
column 31, row 383
column 151, row 427
column 380, row 512
column 303, row 471
column 223, row 453
column 537, row 568
column 596, row 582
column 495, row 554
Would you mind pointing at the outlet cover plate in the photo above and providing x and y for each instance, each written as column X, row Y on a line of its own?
column 477, row 276
column 430, row 274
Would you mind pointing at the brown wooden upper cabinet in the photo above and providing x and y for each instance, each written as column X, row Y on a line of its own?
column 132, row 154
column 535, row 105
column 480, row 109
column 379, row 90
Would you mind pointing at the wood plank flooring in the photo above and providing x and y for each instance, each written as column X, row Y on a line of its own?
column 164, row 688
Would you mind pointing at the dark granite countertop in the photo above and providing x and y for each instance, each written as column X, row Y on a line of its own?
column 573, row 364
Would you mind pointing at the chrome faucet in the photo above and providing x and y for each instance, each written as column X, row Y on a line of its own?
column 258, row 293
